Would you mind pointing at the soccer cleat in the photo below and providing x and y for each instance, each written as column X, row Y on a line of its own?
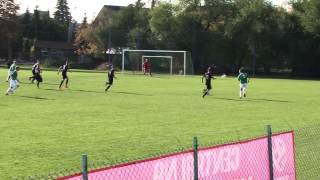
column 7, row 94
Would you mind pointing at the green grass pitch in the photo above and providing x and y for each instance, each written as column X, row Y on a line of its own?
column 44, row 130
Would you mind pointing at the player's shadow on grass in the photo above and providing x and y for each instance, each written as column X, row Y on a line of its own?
column 87, row 91
column 75, row 90
column 253, row 100
column 48, row 89
column 34, row 97
column 228, row 99
column 271, row 100
column 56, row 84
column 132, row 93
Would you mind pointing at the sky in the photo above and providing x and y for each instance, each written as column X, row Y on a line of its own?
column 90, row 7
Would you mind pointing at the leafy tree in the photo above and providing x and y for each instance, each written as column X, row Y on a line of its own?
column 134, row 21
column 27, row 25
column 251, row 26
column 82, row 38
column 311, row 16
column 9, row 24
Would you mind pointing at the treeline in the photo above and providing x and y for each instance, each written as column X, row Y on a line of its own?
column 254, row 34
column 18, row 33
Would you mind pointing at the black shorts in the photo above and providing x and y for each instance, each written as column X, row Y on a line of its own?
column 208, row 86
column 38, row 77
column 110, row 81
column 64, row 76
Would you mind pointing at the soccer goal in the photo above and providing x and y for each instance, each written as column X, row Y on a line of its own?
column 161, row 61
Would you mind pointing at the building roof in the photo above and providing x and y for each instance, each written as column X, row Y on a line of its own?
column 107, row 10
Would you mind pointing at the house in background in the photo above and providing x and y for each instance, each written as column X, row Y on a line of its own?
column 104, row 17
column 53, row 49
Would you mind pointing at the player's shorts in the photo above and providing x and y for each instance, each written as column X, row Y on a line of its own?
column 38, row 77
column 243, row 86
column 208, row 86
column 64, row 76
column 146, row 70
column 110, row 81
column 14, row 84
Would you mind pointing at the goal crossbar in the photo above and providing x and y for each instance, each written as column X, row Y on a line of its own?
column 160, row 51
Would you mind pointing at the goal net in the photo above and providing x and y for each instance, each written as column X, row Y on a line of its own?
column 161, row 61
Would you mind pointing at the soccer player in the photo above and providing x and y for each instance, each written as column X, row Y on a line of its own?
column 111, row 75
column 37, row 74
column 208, row 76
column 14, row 82
column 244, row 80
column 11, row 69
column 64, row 70
column 146, row 67
column 33, row 70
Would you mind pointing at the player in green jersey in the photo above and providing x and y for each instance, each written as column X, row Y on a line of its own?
column 244, row 80
column 14, row 82
column 11, row 69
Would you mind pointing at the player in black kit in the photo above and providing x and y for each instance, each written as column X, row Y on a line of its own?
column 208, row 76
column 37, row 74
column 64, row 70
column 33, row 70
column 110, row 77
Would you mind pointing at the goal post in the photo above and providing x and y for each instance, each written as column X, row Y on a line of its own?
column 180, row 62
column 164, row 57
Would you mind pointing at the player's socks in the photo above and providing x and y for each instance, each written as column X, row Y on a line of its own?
column 107, row 88
column 67, row 83
column 205, row 93
column 61, row 84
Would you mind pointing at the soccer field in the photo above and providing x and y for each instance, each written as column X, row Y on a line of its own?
column 45, row 130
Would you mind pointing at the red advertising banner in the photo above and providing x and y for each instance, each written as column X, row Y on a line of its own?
column 247, row 160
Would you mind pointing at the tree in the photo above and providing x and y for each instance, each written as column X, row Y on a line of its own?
column 9, row 24
column 84, row 21
column 153, row 3
column 310, row 16
column 27, row 29
column 82, row 38
column 163, row 25
column 253, row 25
column 62, row 14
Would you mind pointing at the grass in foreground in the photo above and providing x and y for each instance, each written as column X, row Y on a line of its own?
column 44, row 130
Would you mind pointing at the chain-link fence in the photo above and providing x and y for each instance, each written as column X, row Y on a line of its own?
column 307, row 142
column 295, row 155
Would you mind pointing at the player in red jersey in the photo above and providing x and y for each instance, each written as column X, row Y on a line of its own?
column 146, row 67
